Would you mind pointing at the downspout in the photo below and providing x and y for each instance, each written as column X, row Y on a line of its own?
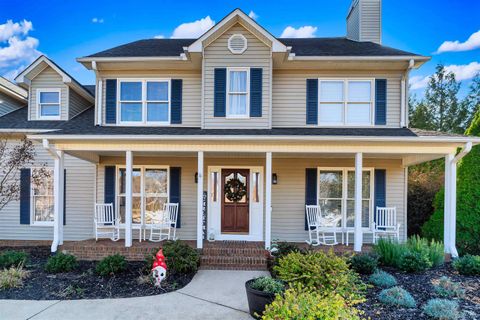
column 453, row 184
column 404, row 98
column 56, row 232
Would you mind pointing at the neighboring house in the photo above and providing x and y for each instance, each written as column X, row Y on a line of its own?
column 12, row 97
column 295, row 120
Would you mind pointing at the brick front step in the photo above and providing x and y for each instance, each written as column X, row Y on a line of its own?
column 233, row 255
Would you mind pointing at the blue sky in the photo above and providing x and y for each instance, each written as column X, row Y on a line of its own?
column 65, row 30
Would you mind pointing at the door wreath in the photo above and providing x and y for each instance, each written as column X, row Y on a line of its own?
column 235, row 190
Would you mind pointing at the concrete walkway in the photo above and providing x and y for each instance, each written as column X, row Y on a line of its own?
column 211, row 295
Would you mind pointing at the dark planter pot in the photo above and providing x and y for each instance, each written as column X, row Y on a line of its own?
column 257, row 300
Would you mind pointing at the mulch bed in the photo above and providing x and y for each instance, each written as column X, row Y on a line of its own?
column 421, row 288
column 83, row 283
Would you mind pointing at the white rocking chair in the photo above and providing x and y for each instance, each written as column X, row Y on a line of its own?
column 318, row 232
column 107, row 222
column 385, row 224
column 165, row 226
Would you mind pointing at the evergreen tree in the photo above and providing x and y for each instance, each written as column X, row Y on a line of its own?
column 473, row 98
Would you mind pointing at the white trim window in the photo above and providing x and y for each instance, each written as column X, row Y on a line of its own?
column 150, row 191
column 238, row 92
column 144, row 101
column 345, row 102
column 48, row 104
column 336, row 196
column 42, row 197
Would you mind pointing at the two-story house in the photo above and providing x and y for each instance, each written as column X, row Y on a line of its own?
column 240, row 128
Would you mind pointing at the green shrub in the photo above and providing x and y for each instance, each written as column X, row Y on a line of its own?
column 61, row 263
column 12, row 277
column 325, row 272
column 364, row 263
column 281, row 249
column 442, row 309
column 268, row 284
column 390, row 252
column 468, row 206
column 111, row 265
column 468, row 265
column 449, row 289
column 382, row 279
column 11, row 258
column 299, row 303
column 397, row 296
column 180, row 257
column 433, row 249
column 413, row 261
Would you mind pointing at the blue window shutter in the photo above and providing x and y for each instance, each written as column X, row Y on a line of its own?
column 380, row 101
column 25, row 196
column 310, row 190
column 380, row 190
column 175, row 190
column 111, row 101
column 220, row 92
column 312, row 101
column 256, row 92
column 64, row 196
column 109, row 185
column 176, row 105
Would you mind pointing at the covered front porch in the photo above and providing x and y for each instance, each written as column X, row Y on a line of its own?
column 274, row 175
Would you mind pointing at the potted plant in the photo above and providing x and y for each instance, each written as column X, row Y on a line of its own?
column 261, row 292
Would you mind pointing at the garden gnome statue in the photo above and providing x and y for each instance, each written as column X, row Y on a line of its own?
column 159, row 268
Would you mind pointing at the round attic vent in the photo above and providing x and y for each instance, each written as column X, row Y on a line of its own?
column 237, row 43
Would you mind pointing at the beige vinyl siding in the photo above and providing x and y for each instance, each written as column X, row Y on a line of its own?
column 78, row 104
column 217, row 55
column 289, row 94
column 288, row 196
column 370, row 28
column 49, row 79
column 353, row 23
column 9, row 104
column 80, row 177
column 191, row 91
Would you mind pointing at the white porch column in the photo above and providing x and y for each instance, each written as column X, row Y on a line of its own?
column 358, row 202
column 268, row 200
column 128, row 198
column 58, row 185
column 200, row 201
column 450, row 206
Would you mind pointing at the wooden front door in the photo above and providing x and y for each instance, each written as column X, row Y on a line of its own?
column 235, row 200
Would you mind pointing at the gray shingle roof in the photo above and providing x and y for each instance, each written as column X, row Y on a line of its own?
column 18, row 119
column 301, row 47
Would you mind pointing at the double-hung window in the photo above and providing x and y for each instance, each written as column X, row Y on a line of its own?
column 48, row 104
column 238, row 92
column 345, row 102
column 42, row 199
column 144, row 101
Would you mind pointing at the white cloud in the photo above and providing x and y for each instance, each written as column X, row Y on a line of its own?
column 473, row 42
column 193, row 29
column 159, row 36
column 253, row 15
column 302, row 32
column 97, row 20
column 17, row 49
column 462, row 72
column 10, row 29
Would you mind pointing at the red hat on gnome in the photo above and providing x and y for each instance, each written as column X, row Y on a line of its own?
column 159, row 260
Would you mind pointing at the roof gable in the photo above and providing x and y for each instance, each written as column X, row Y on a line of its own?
column 237, row 16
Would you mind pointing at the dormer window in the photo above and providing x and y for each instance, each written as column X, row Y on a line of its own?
column 237, row 93
column 144, row 101
column 48, row 104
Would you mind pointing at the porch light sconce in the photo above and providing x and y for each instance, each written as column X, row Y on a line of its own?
column 274, row 178
column 196, row 177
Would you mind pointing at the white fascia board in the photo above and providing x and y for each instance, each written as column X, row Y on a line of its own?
column 357, row 58
column 26, row 130
column 130, row 59
column 473, row 140
column 277, row 46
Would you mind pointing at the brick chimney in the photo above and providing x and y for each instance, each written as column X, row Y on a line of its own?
column 364, row 21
